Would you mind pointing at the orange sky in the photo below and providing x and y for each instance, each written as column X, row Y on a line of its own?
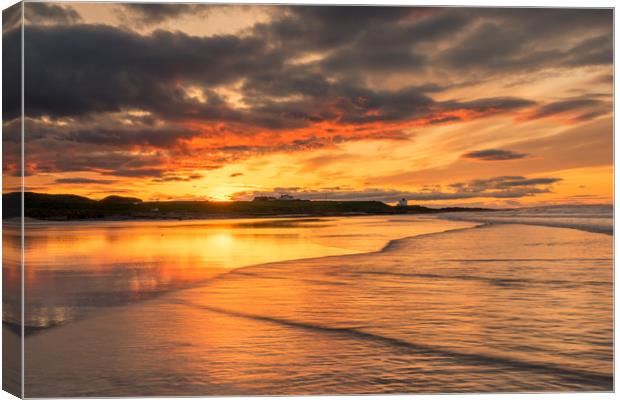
column 442, row 106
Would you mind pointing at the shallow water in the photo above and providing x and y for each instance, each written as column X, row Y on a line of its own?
column 491, row 308
column 76, row 269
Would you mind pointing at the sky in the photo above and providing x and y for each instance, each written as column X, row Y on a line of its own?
column 442, row 106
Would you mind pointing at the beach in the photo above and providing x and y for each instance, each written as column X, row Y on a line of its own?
column 395, row 304
column 307, row 199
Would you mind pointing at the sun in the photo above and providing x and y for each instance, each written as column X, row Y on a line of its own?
column 221, row 193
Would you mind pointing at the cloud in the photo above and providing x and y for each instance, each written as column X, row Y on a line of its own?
column 136, row 172
column 146, row 71
column 129, row 70
column 156, row 137
column 178, row 178
column 11, row 64
column 493, row 155
column 331, row 27
column 145, row 14
column 85, row 181
column 389, row 47
column 156, row 72
column 503, row 187
column 580, row 108
column 149, row 105
column 604, row 78
column 512, row 40
column 11, row 18
column 236, row 174
column 502, row 182
column 482, row 41
column 50, row 13
column 52, row 157
column 294, row 145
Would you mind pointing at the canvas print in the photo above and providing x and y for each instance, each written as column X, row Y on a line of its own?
column 217, row 200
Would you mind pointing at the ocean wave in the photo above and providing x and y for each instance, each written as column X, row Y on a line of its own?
column 593, row 218
column 465, row 358
column 493, row 281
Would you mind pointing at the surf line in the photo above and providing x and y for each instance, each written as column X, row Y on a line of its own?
column 473, row 359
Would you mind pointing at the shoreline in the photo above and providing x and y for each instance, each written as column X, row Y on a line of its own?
column 216, row 217
column 204, row 217
column 14, row 222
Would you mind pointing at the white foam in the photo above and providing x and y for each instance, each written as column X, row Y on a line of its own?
column 590, row 218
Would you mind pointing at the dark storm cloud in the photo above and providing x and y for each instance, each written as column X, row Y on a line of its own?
column 506, row 40
column 549, row 21
column 391, row 39
column 385, row 59
column 584, row 108
column 361, row 105
column 395, row 47
column 503, row 187
column 493, row 155
column 95, row 68
column 156, row 137
column 52, row 157
column 95, row 73
column 594, row 51
column 85, row 181
column 342, row 103
column 320, row 100
column 497, row 103
column 155, row 13
column 146, row 14
column 128, row 70
column 308, row 143
column 136, row 173
column 288, row 81
column 105, row 130
column 310, row 28
column 347, row 102
column 12, row 131
column 11, row 66
column 46, row 13
column 11, row 18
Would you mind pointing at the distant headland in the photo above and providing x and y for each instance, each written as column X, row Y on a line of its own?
column 72, row 207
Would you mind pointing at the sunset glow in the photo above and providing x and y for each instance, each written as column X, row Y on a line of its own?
column 442, row 106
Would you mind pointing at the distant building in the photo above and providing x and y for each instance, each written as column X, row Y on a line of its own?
column 155, row 209
column 402, row 202
column 272, row 198
column 264, row 198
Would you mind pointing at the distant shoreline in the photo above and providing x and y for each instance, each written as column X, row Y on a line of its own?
column 52, row 207
column 209, row 217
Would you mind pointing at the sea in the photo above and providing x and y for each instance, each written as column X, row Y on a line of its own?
column 504, row 301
